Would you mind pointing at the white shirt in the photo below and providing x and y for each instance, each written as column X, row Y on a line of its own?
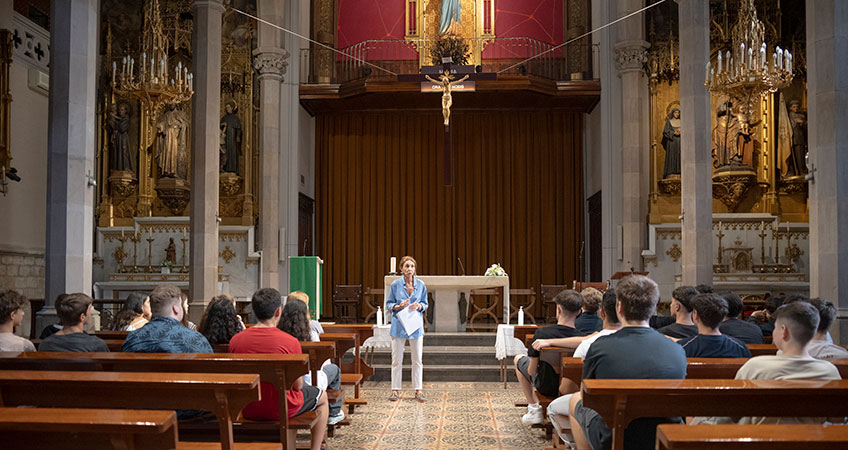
column 583, row 348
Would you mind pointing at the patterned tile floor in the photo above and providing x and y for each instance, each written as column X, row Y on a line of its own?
column 457, row 415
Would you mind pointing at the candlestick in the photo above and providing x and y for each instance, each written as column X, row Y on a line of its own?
column 788, row 246
column 149, row 254
column 183, row 258
column 762, row 236
column 720, row 236
column 135, row 240
column 392, row 264
column 776, row 245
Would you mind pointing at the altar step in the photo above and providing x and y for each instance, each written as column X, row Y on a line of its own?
column 448, row 357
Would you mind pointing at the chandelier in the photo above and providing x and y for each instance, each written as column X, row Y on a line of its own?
column 152, row 81
column 743, row 72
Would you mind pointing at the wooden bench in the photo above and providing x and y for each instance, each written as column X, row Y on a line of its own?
column 762, row 349
column 621, row 401
column 109, row 334
column 222, row 394
column 350, row 375
column 741, row 437
column 278, row 369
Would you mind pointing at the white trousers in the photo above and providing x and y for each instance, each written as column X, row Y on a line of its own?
column 416, row 348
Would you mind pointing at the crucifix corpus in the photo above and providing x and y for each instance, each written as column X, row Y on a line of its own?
column 447, row 83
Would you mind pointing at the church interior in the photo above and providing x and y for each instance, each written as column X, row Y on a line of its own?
column 479, row 179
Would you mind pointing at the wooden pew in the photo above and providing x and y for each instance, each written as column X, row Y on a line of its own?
column 278, row 369
column 223, row 394
column 113, row 344
column 762, row 349
column 742, row 437
column 89, row 429
column 344, row 342
column 109, row 334
column 621, row 401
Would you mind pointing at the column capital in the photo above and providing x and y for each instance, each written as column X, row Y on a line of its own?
column 216, row 4
column 631, row 55
column 270, row 62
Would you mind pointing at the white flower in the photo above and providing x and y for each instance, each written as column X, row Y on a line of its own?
column 495, row 271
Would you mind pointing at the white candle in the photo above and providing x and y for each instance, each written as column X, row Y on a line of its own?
column 132, row 63
column 124, row 67
column 786, row 60
column 114, row 69
column 392, row 264
column 763, row 56
column 779, row 58
column 719, row 62
column 750, row 58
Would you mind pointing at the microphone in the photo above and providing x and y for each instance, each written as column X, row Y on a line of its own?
column 460, row 265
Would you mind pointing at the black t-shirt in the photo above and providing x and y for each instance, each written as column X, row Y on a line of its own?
column 74, row 342
column 747, row 332
column 636, row 353
column 708, row 346
column 767, row 328
column 679, row 331
column 588, row 322
column 545, row 374
column 657, row 322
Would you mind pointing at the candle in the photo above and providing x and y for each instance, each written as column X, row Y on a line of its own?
column 719, row 226
column 392, row 264
column 763, row 225
column 750, row 58
column 114, row 69
column 779, row 58
column 719, row 62
column 122, row 233
column 786, row 60
column 132, row 63
column 763, row 56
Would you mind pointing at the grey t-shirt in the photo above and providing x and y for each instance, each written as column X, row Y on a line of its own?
column 74, row 342
column 9, row 342
column 826, row 350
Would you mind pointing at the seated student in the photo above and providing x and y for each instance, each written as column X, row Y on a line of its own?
column 265, row 337
column 588, row 320
column 164, row 333
column 135, row 313
column 315, row 328
column 764, row 318
column 74, row 311
column 746, row 332
column 532, row 372
column 819, row 347
column 611, row 325
column 184, row 321
column 708, row 312
column 635, row 351
column 295, row 321
column 220, row 321
column 681, row 309
column 11, row 315
column 49, row 330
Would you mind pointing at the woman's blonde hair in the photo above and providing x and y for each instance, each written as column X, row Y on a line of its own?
column 408, row 258
column 299, row 295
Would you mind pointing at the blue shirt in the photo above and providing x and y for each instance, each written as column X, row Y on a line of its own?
column 165, row 335
column 588, row 322
column 709, row 346
column 397, row 295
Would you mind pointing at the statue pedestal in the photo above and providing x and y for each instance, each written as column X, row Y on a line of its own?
column 174, row 193
column 730, row 183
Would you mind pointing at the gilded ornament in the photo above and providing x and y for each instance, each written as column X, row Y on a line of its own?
column 228, row 254
column 729, row 187
column 674, row 252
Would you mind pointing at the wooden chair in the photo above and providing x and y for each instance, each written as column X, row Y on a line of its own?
column 346, row 303
column 549, row 291
column 483, row 306
column 528, row 308
column 580, row 285
column 373, row 299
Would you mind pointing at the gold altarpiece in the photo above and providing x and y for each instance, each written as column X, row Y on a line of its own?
column 477, row 26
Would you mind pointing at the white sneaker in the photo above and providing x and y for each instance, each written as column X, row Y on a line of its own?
column 533, row 416
column 332, row 420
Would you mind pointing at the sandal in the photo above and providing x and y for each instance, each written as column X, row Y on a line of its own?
column 394, row 397
column 420, row 397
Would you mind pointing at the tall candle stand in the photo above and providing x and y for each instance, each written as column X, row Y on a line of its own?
column 149, row 255
column 184, row 268
column 135, row 240
column 776, row 235
column 121, row 255
column 720, row 236
column 762, row 236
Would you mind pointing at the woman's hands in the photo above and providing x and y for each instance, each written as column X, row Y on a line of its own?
column 401, row 305
column 415, row 306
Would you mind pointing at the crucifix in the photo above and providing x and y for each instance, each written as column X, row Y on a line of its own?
column 447, row 83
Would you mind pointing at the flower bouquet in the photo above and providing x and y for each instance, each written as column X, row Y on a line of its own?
column 495, row 271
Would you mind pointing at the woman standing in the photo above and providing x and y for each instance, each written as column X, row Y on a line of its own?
column 406, row 292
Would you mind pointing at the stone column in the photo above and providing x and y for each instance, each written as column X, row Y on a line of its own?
column 205, row 117
column 827, row 91
column 695, row 164
column 70, row 160
column 630, row 55
column 269, row 62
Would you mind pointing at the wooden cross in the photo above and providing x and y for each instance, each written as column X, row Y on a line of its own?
column 447, row 84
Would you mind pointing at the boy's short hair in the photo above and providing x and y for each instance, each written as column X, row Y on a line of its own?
column 734, row 304
column 591, row 299
column 684, row 296
column 638, row 296
column 265, row 301
column 10, row 301
column 69, row 308
column 299, row 295
column 827, row 313
column 704, row 289
column 801, row 318
column 608, row 303
column 711, row 309
column 163, row 298
column 569, row 300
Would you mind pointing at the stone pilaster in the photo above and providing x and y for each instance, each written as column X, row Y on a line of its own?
column 827, row 91
column 70, row 160
column 696, row 168
column 270, row 64
column 205, row 117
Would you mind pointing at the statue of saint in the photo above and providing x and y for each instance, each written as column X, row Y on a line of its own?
column 171, row 252
column 445, row 80
column 671, row 143
column 231, row 133
column 451, row 17
column 732, row 141
column 795, row 163
column 120, row 152
column 170, row 145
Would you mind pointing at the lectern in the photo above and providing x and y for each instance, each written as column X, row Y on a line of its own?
column 305, row 275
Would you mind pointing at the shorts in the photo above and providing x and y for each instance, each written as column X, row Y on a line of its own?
column 593, row 426
column 548, row 391
column 311, row 394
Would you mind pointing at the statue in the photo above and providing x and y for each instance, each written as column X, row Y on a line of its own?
column 732, row 142
column 446, row 84
column 120, row 152
column 796, row 161
column 671, row 143
column 170, row 145
column 231, row 133
column 171, row 252
column 451, row 17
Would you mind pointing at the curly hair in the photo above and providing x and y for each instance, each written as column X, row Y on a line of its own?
column 220, row 322
column 133, row 308
column 295, row 320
